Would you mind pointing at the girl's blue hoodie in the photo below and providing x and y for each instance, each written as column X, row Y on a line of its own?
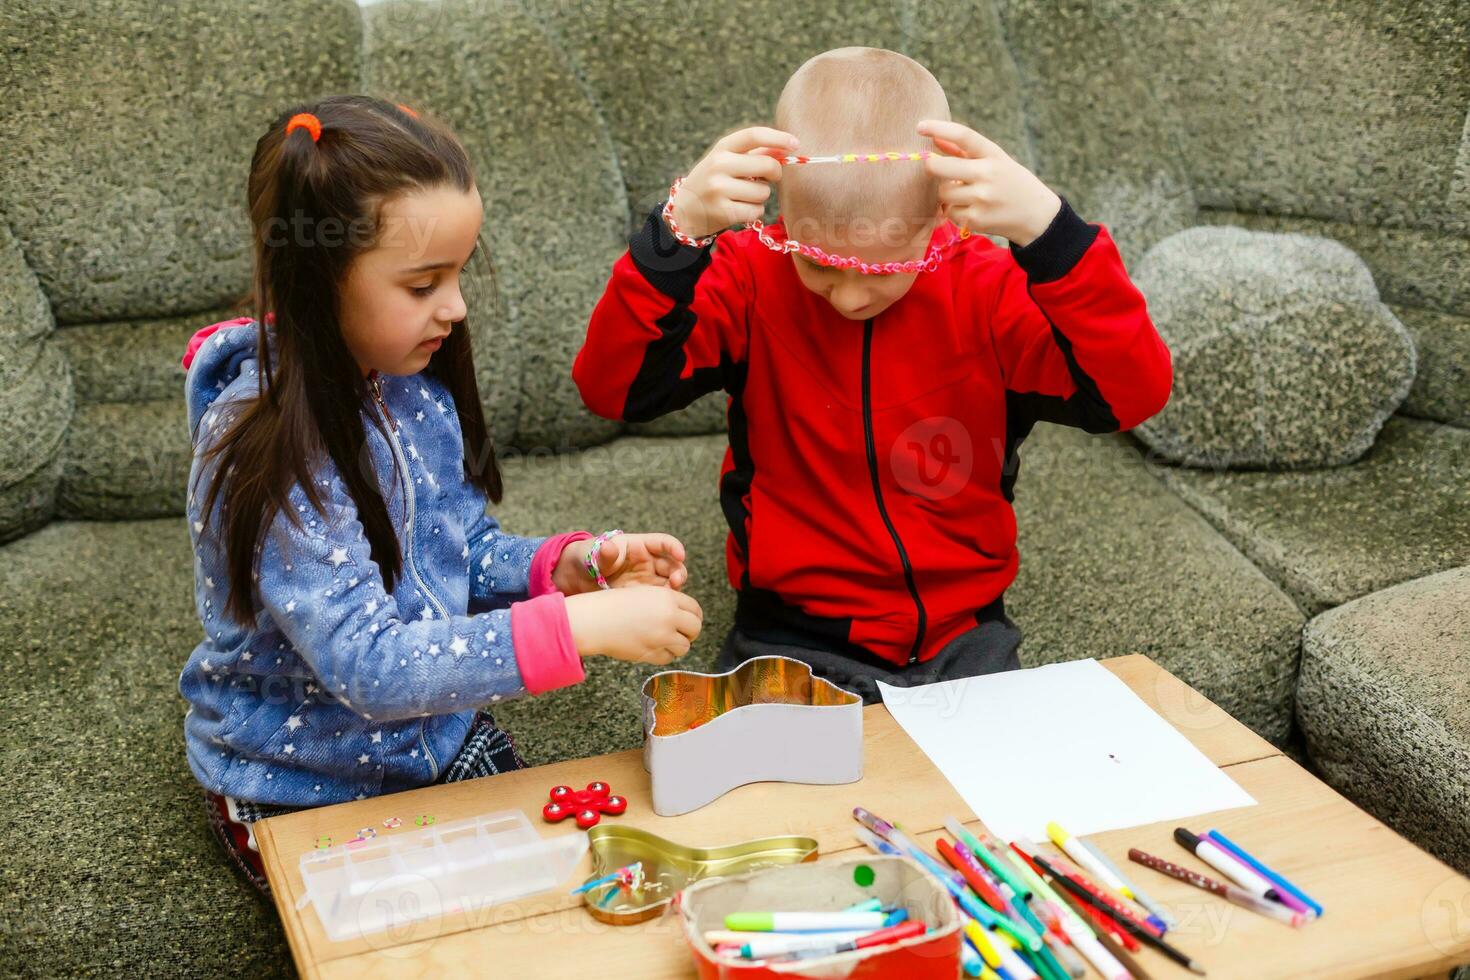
column 340, row 689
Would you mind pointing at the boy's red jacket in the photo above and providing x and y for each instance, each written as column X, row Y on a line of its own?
column 868, row 481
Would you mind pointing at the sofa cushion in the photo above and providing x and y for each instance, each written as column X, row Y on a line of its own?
column 1328, row 536
column 556, row 210
column 126, row 460
column 1308, row 109
column 35, row 397
column 129, row 134
column 1100, row 130
column 1283, row 354
column 1384, row 702
column 132, row 360
column 1442, row 384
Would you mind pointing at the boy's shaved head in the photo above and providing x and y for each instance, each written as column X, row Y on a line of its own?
column 861, row 100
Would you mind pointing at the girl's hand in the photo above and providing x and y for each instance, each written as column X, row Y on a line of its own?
column 641, row 624
column 981, row 188
column 627, row 559
column 729, row 186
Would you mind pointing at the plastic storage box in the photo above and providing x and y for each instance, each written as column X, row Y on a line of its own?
column 366, row 886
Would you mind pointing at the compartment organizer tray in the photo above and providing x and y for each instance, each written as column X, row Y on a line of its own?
column 366, row 886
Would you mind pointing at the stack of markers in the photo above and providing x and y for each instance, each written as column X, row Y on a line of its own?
column 778, row 937
column 1256, row 887
column 1029, row 915
column 1016, row 925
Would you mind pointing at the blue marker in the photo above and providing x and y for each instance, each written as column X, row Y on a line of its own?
column 1237, row 851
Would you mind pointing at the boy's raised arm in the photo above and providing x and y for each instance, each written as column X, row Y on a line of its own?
column 1068, row 324
column 671, row 324
column 670, row 327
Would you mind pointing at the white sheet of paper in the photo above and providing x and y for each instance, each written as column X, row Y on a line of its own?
column 1067, row 742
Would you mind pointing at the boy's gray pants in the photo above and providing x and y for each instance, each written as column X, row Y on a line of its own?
column 986, row 649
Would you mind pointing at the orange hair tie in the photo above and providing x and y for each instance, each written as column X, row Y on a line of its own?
column 306, row 121
column 407, row 110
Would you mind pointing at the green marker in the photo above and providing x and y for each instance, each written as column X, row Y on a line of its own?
column 997, row 867
column 1045, row 891
column 812, row 921
column 1002, row 868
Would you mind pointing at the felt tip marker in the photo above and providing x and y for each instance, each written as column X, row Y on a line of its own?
column 717, row 936
column 1237, row 896
column 1157, row 914
column 866, row 905
column 1219, row 859
column 1287, row 889
column 893, row 934
column 1125, row 922
column 811, row 921
column 878, row 834
column 1086, row 859
column 756, row 946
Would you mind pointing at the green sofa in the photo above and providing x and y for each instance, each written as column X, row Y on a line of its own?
column 1322, row 607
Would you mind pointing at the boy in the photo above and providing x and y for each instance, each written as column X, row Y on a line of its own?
column 874, row 419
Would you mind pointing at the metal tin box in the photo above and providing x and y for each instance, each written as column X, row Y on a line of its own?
column 769, row 719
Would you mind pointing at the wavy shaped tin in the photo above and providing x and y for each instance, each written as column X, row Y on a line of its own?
column 767, row 720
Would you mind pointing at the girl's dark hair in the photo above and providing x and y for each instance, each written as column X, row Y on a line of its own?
column 310, row 404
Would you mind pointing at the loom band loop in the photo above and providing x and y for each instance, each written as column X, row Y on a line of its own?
column 306, row 121
column 889, row 156
column 668, row 216
column 592, row 560
column 786, row 246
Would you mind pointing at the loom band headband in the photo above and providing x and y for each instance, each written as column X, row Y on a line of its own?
column 306, row 121
column 890, row 156
column 928, row 263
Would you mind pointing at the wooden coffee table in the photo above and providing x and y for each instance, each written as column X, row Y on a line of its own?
column 1391, row 909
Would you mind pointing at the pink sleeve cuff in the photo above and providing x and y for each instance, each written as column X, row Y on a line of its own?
column 542, row 636
column 200, row 336
column 543, row 563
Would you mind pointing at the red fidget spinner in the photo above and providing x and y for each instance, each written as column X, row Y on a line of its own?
column 587, row 805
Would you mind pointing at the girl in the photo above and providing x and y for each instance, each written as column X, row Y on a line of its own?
column 358, row 602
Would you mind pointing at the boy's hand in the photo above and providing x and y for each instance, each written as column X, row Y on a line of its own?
column 627, row 559
column 643, row 625
column 729, row 186
column 981, row 188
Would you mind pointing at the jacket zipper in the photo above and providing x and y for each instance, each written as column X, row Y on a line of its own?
column 903, row 555
column 429, row 596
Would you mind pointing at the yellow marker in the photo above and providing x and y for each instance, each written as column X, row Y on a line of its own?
column 981, row 939
column 1074, row 849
